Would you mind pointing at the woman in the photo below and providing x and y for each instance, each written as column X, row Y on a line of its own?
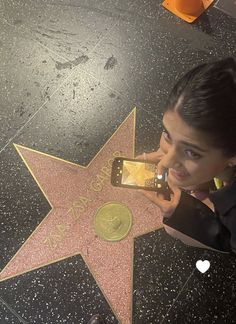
column 198, row 148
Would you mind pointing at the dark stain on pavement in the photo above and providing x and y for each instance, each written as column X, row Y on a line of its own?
column 111, row 63
column 68, row 65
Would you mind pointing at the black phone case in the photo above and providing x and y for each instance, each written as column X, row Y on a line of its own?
column 164, row 190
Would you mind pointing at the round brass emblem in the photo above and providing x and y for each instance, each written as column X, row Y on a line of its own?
column 113, row 221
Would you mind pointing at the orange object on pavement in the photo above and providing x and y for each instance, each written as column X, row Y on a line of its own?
column 188, row 10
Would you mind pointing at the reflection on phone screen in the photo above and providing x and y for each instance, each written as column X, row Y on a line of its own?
column 138, row 174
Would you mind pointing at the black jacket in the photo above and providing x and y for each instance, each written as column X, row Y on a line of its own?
column 217, row 229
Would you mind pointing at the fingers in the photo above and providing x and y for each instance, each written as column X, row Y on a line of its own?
column 152, row 157
column 155, row 156
column 152, row 195
column 141, row 157
column 167, row 207
column 176, row 193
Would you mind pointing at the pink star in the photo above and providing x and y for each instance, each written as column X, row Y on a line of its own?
column 75, row 194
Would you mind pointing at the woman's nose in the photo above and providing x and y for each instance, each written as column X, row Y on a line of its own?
column 170, row 160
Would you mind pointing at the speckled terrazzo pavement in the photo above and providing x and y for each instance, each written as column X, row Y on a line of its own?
column 72, row 71
column 229, row 7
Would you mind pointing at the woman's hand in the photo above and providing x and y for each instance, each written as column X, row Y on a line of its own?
column 152, row 157
column 167, row 206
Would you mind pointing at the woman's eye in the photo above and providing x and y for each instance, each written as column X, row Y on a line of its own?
column 192, row 154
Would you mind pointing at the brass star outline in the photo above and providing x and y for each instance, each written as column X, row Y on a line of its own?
column 114, row 275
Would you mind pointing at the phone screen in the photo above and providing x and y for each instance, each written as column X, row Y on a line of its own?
column 138, row 174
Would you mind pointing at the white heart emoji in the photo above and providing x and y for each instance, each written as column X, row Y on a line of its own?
column 203, row 266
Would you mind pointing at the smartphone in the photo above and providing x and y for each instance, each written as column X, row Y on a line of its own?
column 138, row 174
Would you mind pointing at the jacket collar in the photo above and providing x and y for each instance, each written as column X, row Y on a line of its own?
column 224, row 199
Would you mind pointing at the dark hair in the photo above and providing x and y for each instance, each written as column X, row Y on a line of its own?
column 205, row 98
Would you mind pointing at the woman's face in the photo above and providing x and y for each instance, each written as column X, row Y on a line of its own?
column 190, row 160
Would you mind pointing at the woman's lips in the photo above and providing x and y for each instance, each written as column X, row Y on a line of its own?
column 178, row 175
